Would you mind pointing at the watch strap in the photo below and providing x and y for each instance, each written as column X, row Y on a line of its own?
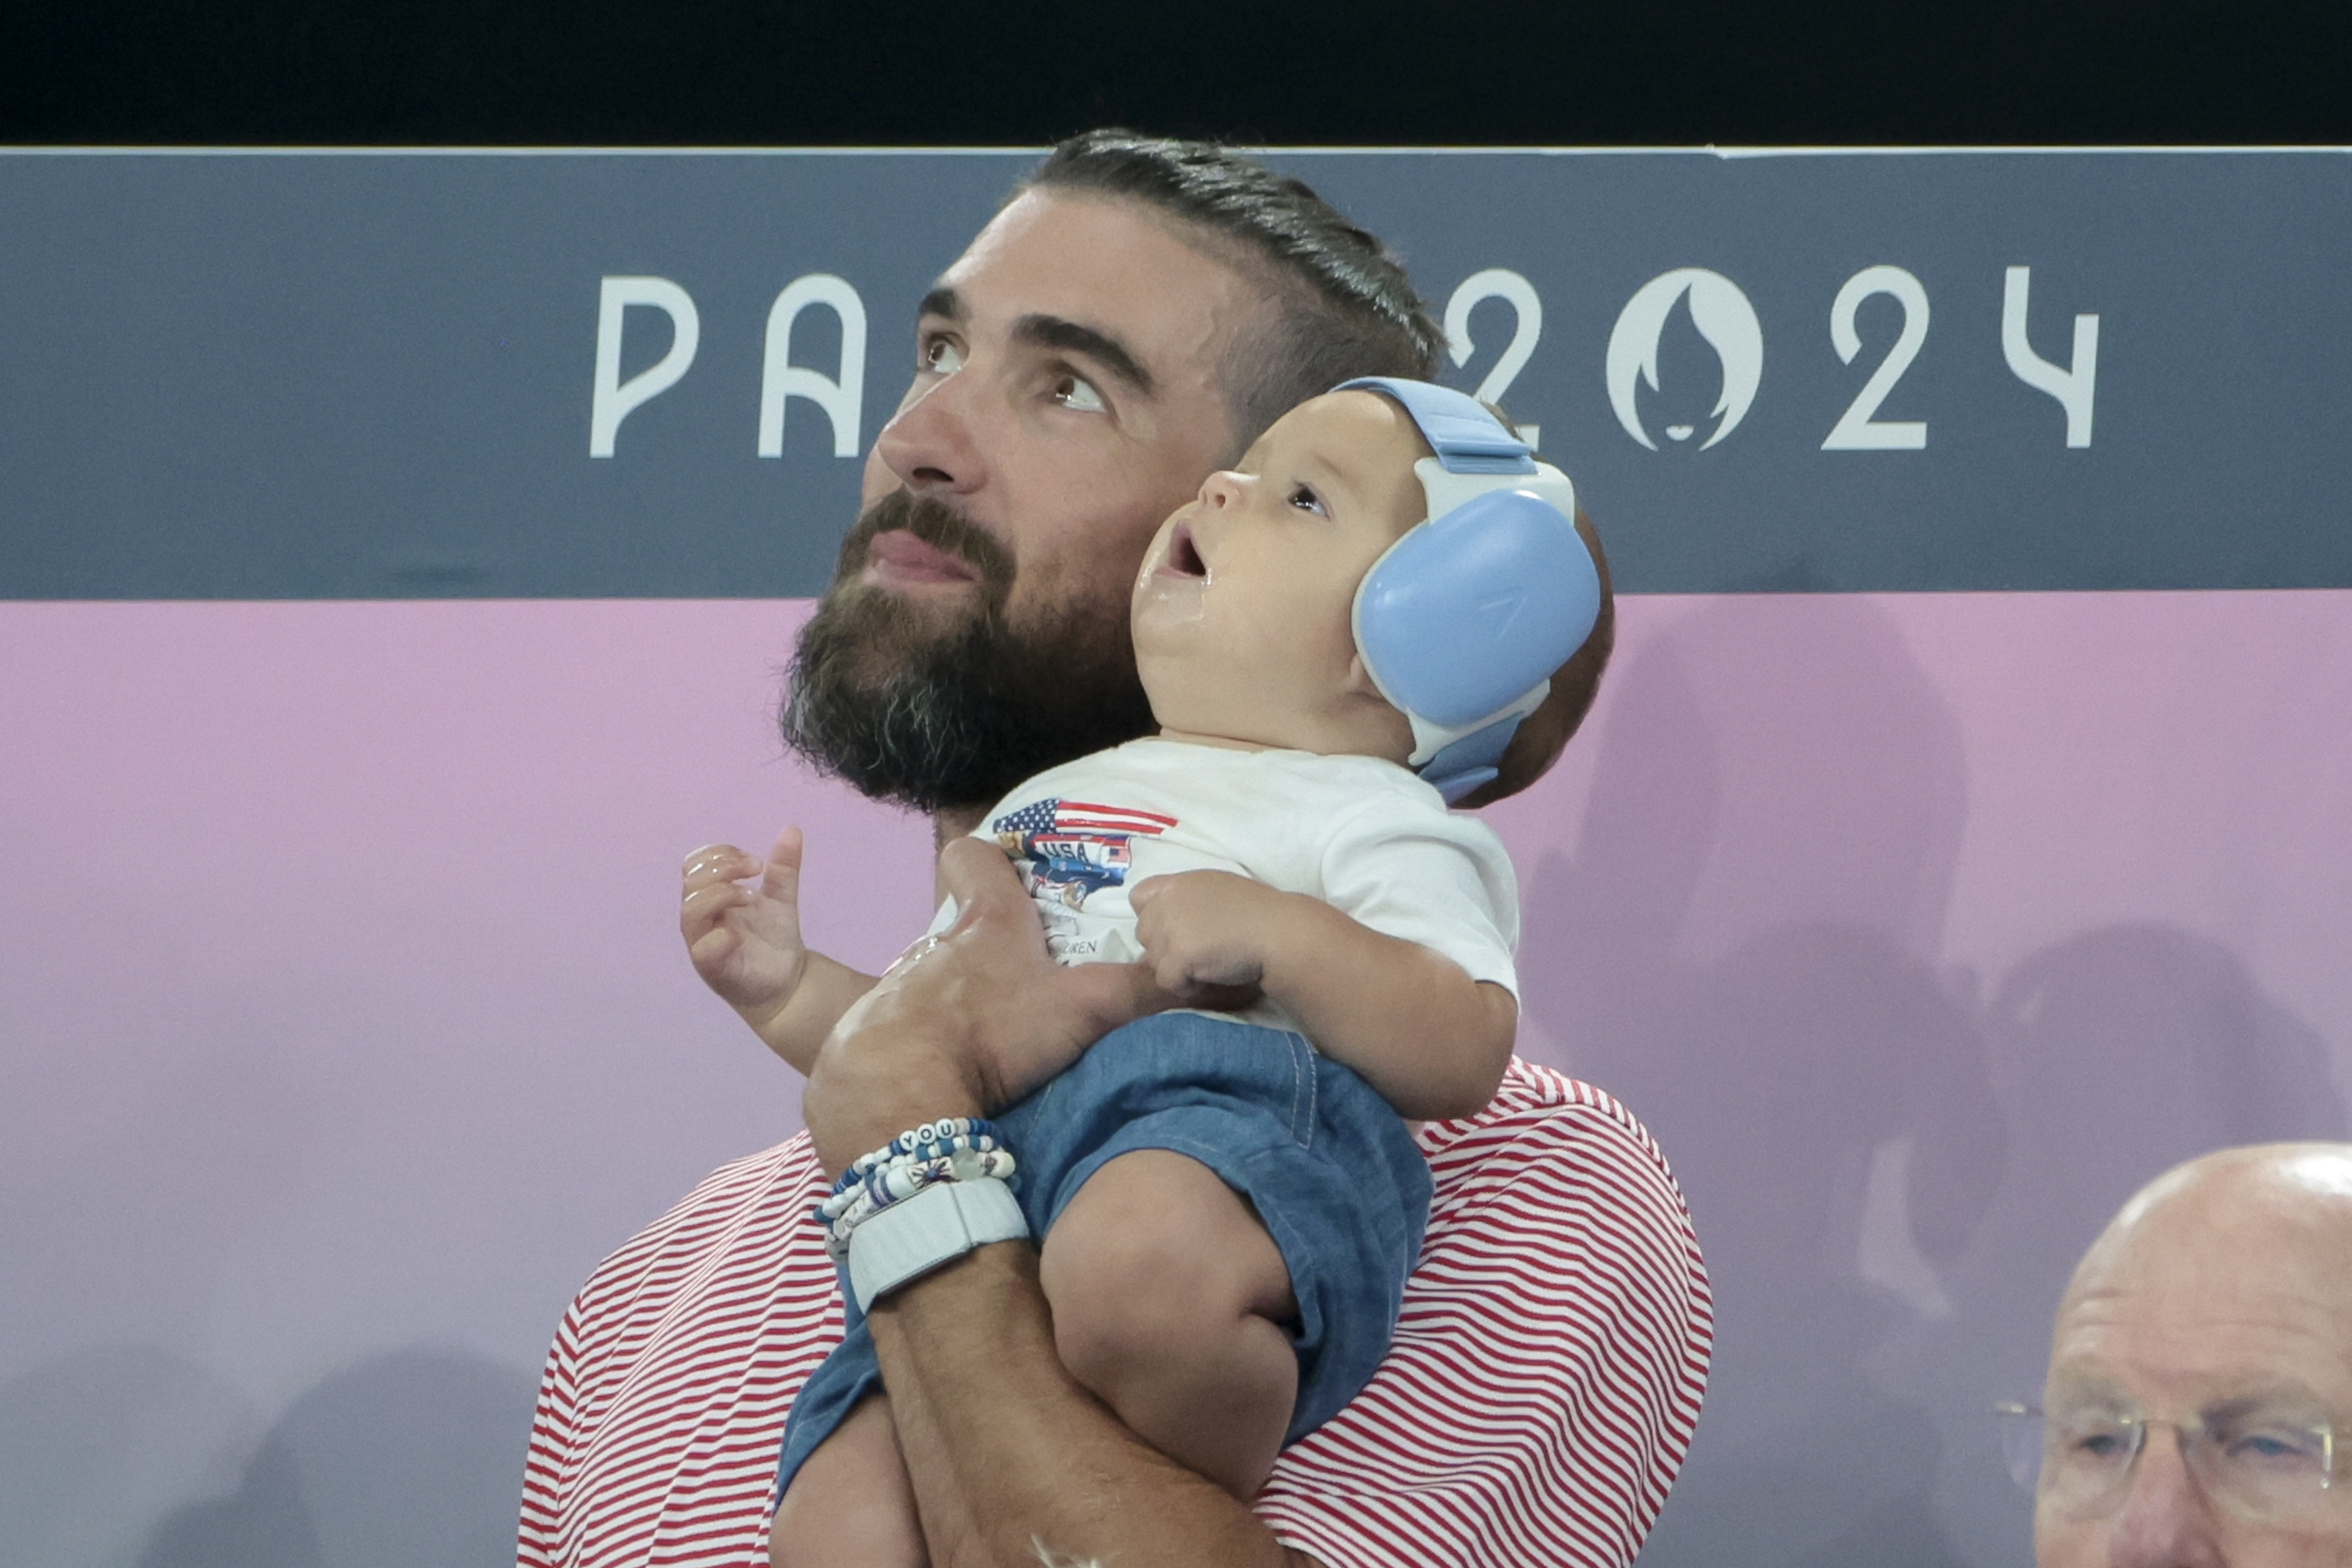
column 936, row 1227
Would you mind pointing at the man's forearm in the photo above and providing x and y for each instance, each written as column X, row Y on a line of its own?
column 1009, row 1455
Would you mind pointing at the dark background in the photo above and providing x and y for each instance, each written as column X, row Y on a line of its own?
column 348, row 376
column 911, row 72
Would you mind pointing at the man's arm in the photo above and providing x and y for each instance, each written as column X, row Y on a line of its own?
column 1007, row 1452
column 1013, row 1462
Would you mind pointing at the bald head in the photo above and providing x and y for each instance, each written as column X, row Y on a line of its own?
column 2257, row 1219
column 2224, row 1285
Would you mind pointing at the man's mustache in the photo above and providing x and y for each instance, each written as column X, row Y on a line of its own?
column 935, row 523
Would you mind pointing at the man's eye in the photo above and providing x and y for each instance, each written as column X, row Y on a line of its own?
column 942, row 357
column 2274, row 1447
column 1077, row 392
column 2094, row 1441
column 1305, row 500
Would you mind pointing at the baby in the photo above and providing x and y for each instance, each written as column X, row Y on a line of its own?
column 1228, row 1212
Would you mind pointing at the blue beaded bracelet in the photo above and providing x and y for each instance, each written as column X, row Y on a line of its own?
column 955, row 1148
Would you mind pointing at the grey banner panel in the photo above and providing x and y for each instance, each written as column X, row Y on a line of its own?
column 363, row 376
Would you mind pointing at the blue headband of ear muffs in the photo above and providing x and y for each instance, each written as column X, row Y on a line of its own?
column 1463, row 621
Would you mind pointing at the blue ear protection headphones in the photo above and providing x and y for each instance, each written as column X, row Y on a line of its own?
column 1462, row 623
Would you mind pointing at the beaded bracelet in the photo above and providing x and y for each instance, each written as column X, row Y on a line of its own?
column 955, row 1148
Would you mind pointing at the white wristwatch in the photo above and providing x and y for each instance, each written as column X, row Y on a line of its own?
column 935, row 1227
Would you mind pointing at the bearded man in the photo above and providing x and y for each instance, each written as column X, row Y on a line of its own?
column 1131, row 320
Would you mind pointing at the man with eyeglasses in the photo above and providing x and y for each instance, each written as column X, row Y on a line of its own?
column 2200, row 1374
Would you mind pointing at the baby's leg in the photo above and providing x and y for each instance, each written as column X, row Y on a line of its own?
column 850, row 1504
column 1168, row 1298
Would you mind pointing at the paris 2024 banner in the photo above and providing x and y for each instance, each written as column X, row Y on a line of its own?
column 398, row 555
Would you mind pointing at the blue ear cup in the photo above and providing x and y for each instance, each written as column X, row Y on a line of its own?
column 1462, row 623
column 1470, row 610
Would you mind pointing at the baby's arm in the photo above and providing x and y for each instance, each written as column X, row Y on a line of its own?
column 1432, row 1040
column 745, row 940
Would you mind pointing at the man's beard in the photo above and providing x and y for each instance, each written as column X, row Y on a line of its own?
column 941, row 711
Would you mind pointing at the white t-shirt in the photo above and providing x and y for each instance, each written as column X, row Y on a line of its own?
column 1363, row 834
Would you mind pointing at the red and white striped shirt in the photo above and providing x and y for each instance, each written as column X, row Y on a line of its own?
column 1533, row 1410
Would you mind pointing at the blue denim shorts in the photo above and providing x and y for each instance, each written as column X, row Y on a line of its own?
column 1329, row 1166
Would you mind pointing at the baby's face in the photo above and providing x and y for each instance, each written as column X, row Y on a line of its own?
column 1240, row 611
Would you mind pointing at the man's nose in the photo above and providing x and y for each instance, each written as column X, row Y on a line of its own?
column 2165, row 1519
column 931, row 443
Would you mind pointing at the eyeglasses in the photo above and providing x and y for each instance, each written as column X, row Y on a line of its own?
column 2262, row 1460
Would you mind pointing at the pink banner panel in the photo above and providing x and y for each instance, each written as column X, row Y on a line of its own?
column 344, row 1023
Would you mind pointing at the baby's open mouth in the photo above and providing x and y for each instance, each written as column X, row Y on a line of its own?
column 1184, row 559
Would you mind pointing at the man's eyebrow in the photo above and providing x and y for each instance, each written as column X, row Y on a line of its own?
column 941, row 301
column 2295, row 1398
column 1054, row 333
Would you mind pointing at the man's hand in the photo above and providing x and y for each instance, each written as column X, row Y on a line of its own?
column 966, row 1023
column 1205, row 933
column 1003, row 1446
column 743, row 936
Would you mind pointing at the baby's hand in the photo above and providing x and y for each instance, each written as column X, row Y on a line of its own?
column 1205, row 933
column 744, row 936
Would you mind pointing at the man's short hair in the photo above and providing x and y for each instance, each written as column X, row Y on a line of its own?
column 1344, row 305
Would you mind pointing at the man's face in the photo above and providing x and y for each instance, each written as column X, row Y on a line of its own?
column 1066, row 398
column 2228, row 1313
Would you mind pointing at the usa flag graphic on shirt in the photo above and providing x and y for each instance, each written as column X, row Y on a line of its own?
column 1075, row 847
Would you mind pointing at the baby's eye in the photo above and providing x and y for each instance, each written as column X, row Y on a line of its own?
column 942, row 357
column 1305, row 500
column 1075, row 392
